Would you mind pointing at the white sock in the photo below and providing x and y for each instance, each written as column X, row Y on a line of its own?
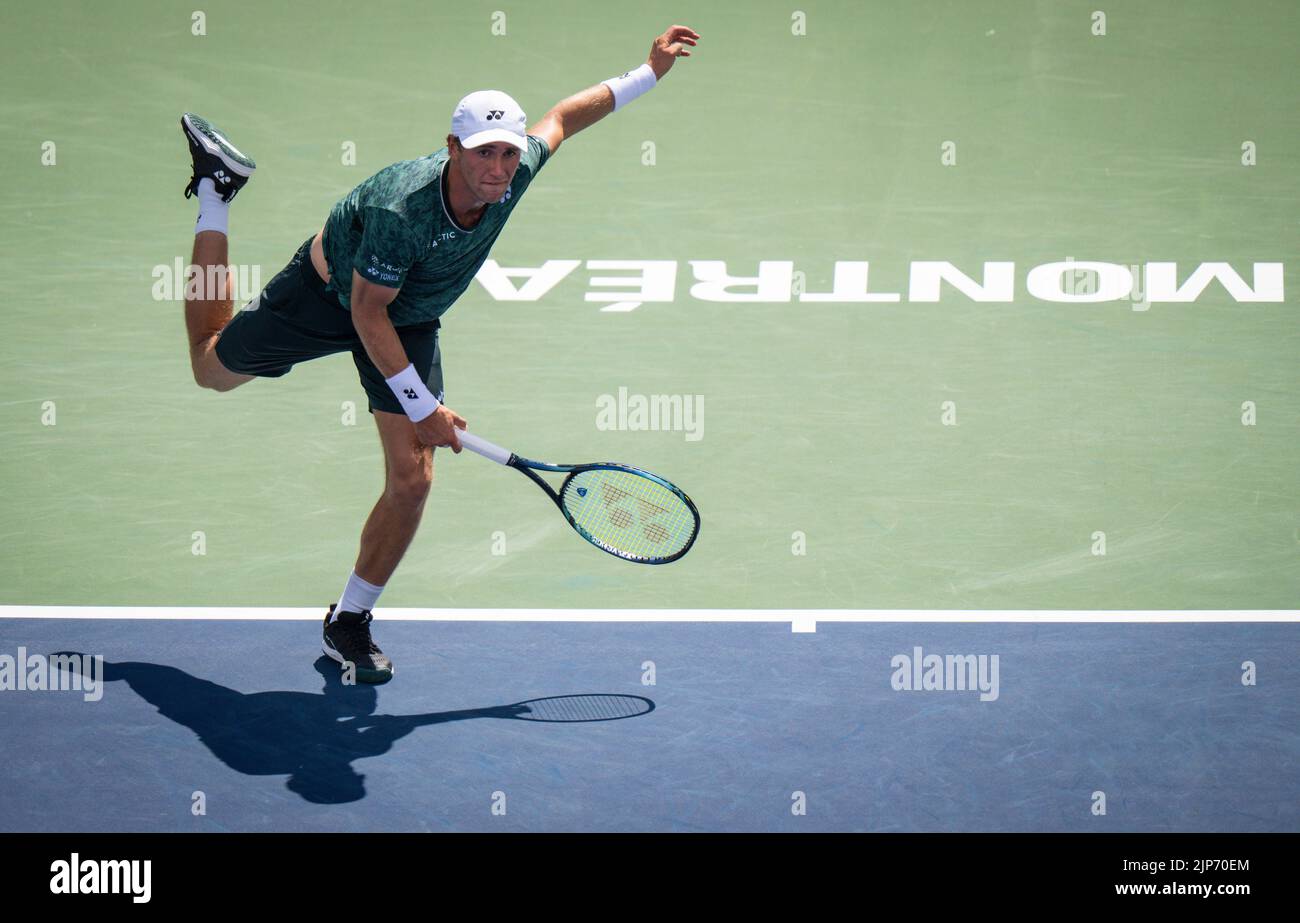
column 358, row 596
column 214, row 214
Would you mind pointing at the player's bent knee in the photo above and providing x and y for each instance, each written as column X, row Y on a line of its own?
column 220, row 383
column 224, row 386
column 201, row 376
column 209, row 373
column 204, row 378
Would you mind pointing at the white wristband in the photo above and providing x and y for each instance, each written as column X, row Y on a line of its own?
column 412, row 394
column 631, row 85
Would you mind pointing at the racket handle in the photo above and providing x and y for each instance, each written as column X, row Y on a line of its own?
column 483, row 447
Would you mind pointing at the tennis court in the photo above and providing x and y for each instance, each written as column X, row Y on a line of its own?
column 994, row 440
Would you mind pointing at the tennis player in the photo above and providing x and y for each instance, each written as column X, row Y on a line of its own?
column 392, row 257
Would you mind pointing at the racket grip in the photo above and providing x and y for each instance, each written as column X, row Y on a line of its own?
column 483, row 447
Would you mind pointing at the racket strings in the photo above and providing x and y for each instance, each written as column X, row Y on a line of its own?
column 631, row 514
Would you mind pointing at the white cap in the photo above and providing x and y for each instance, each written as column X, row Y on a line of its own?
column 485, row 116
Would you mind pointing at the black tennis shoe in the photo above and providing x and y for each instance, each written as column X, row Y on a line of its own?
column 346, row 639
column 215, row 158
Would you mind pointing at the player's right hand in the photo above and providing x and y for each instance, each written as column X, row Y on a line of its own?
column 667, row 47
column 439, row 428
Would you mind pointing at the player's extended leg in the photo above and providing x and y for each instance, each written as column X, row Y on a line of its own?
column 408, row 474
column 220, row 170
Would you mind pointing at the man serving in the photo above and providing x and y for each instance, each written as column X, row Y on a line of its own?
column 393, row 256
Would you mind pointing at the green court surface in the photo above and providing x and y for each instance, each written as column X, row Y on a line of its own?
column 819, row 418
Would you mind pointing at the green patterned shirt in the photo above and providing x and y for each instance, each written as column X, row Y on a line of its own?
column 396, row 229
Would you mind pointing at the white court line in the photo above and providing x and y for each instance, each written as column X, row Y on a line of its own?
column 800, row 620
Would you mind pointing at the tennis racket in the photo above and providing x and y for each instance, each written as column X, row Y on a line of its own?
column 630, row 513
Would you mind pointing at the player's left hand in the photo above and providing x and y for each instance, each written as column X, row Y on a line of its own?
column 668, row 47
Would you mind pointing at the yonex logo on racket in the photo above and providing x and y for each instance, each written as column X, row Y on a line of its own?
column 627, row 511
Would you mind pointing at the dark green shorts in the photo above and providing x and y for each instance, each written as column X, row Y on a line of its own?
column 295, row 318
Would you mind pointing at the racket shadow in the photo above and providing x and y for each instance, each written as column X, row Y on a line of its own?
column 584, row 708
column 314, row 737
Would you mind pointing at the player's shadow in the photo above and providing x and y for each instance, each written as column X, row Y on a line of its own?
column 314, row 737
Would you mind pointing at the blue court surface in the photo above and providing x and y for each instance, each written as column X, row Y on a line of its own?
column 743, row 718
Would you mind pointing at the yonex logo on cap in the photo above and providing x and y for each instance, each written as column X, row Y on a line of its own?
column 485, row 116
